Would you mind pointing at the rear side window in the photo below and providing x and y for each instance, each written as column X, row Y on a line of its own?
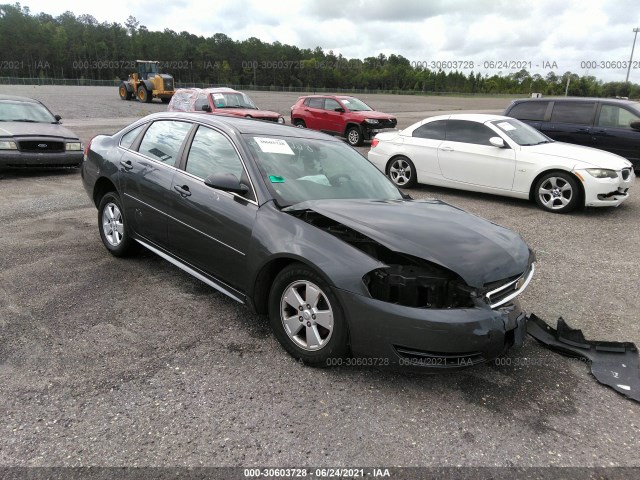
column 573, row 112
column 180, row 102
column 468, row 132
column 617, row 117
column 432, row 130
column 130, row 137
column 529, row 110
column 163, row 139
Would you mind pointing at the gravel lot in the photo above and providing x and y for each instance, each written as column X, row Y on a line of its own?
column 112, row 362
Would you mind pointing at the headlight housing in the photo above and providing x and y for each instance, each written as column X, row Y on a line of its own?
column 371, row 121
column 8, row 145
column 281, row 120
column 602, row 173
column 73, row 146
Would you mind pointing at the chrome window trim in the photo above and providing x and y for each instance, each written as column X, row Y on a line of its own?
column 517, row 292
column 191, row 271
column 185, row 224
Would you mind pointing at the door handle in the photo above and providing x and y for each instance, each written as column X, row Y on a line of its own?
column 127, row 165
column 447, row 149
column 182, row 190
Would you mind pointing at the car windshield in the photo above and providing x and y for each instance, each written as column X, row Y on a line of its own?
column 232, row 100
column 17, row 111
column 521, row 133
column 298, row 169
column 355, row 105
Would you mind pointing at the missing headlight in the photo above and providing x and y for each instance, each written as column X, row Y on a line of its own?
column 418, row 286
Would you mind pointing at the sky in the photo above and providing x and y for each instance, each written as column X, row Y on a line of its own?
column 587, row 37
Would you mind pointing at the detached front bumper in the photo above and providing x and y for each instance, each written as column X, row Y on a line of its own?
column 606, row 192
column 430, row 339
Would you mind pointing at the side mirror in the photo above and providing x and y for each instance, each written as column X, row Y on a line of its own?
column 206, row 108
column 57, row 117
column 339, row 109
column 635, row 125
column 497, row 142
column 227, row 182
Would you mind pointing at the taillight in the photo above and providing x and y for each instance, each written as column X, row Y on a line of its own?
column 86, row 147
column 374, row 142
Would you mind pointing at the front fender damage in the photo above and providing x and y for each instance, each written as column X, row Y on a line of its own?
column 614, row 364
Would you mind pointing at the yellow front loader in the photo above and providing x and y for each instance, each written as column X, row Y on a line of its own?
column 147, row 83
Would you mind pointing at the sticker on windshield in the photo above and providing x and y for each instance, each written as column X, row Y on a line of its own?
column 506, row 126
column 218, row 96
column 273, row 145
column 276, row 179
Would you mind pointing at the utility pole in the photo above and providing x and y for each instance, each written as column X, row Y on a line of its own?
column 636, row 30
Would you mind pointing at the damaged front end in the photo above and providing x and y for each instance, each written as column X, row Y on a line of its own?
column 421, row 313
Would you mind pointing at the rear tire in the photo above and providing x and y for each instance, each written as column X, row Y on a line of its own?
column 113, row 227
column 306, row 317
column 124, row 93
column 402, row 172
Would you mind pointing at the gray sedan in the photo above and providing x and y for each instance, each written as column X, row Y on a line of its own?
column 298, row 225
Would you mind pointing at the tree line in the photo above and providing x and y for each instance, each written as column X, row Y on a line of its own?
column 80, row 47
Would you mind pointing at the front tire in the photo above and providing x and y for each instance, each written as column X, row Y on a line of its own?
column 557, row 192
column 402, row 172
column 299, row 123
column 306, row 316
column 113, row 228
column 143, row 94
column 354, row 136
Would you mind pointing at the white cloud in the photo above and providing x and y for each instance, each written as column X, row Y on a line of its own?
column 567, row 33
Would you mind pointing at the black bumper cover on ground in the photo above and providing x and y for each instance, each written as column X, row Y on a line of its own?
column 614, row 364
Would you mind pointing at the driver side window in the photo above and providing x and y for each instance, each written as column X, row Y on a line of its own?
column 468, row 132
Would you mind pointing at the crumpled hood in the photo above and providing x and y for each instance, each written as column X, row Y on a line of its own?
column 585, row 155
column 479, row 251
column 28, row 129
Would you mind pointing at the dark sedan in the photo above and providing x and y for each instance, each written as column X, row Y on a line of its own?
column 298, row 225
column 32, row 136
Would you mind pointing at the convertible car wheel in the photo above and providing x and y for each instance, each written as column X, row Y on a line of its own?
column 113, row 230
column 402, row 172
column 306, row 316
column 557, row 192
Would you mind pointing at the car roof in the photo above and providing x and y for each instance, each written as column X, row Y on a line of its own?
column 18, row 99
column 208, row 90
column 232, row 123
column 473, row 117
column 621, row 101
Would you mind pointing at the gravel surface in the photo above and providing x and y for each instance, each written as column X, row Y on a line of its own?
column 114, row 362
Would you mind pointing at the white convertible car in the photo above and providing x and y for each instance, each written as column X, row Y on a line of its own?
column 503, row 156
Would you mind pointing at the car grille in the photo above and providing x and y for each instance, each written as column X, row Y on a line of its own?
column 511, row 289
column 419, row 358
column 388, row 123
column 626, row 173
column 168, row 84
column 40, row 146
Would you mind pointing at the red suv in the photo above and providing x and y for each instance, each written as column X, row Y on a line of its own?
column 340, row 115
column 219, row 100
